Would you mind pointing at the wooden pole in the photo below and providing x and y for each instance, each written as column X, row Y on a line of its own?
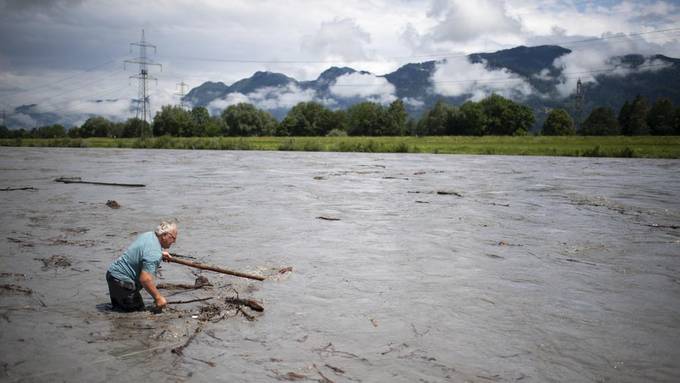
column 215, row 269
column 77, row 180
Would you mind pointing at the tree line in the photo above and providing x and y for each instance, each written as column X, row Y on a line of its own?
column 494, row 115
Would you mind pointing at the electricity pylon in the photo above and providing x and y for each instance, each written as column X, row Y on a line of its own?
column 182, row 85
column 578, row 107
column 143, row 106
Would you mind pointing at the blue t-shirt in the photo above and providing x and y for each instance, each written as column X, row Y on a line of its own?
column 145, row 254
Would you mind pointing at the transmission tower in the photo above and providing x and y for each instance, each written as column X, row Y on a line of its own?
column 182, row 85
column 143, row 107
column 578, row 107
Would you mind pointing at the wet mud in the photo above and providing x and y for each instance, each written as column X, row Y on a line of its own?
column 379, row 267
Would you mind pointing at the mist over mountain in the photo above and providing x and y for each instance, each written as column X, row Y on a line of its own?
column 537, row 76
column 542, row 77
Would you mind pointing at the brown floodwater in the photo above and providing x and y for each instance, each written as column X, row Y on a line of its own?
column 405, row 267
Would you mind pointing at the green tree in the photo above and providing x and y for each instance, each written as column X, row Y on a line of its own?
column 4, row 132
column 661, row 118
column 505, row 117
column 172, row 120
column 136, row 127
column 200, row 121
column 95, row 127
column 558, row 123
column 600, row 122
column 50, row 131
column 677, row 121
column 470, row 120
column 365, row 119
column 245, row 120
column 308, row 119
column 396, row 119
column 435, row 121
column 624, row 115
column 637, row 119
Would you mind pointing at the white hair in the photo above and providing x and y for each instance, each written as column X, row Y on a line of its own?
column 165, row 227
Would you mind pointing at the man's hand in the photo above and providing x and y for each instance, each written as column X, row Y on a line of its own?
column 166, row 256
column 161, row 302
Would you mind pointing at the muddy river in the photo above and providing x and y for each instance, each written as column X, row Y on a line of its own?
column 380, row 267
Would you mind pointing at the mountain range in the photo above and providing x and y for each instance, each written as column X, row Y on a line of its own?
column 625, row 77
column 420, row 86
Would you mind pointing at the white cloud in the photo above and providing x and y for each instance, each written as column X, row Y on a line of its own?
column 462, row 20
column 365, row 85
column 268, row 98
column 460, row 77
column 340, row 38
column 414, row 102
column 603, row 59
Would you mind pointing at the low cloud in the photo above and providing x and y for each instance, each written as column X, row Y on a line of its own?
column 590, row 62
column 459, row 77
column 364, row 85
column 268, row 98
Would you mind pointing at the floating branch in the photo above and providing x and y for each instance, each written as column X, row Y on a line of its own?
column 78, row 180
column 24, row 188
column 328, row 218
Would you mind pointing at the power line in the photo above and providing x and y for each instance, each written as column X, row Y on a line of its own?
column 433, row 55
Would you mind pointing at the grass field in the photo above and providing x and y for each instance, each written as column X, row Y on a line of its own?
column 579, row 146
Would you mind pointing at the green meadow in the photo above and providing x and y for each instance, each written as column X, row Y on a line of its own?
column 574, row 146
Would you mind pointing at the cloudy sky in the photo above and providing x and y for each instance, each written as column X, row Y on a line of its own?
column 65, row 54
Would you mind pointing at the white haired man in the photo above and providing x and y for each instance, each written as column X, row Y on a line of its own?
column 136, row 268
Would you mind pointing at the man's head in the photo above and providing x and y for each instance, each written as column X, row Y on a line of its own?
column 166, row 233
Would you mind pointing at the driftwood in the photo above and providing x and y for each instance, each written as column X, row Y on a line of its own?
column 179, row 349
column 189, row 301
column 78, row 180
column 328, row 218
column 18, row 288
column 24, row 188
column 215, row 269
column 176, row 286
column 245, row 302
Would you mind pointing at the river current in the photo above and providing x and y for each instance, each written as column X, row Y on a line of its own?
column 381, row 267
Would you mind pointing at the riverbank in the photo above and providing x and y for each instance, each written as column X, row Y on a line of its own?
column 572, row 146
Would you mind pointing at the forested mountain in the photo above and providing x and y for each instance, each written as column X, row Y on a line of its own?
column 414, row 82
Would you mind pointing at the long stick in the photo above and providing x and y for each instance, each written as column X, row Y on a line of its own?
column 215, row 269
column 189, row 301
column 77, row 180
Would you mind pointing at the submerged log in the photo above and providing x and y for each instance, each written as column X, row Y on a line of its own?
column 215, row 269
column 78, row 180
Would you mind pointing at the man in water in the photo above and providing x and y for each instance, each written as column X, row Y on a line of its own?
column 136, row 268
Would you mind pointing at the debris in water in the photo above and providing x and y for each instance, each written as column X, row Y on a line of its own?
column 78, row 180
column 374, row 322
column 113, row 204
column 54, row 262
column 286, row 270
column 18, row 288
column 445, row 192
column 328, row 218
column 24, row 188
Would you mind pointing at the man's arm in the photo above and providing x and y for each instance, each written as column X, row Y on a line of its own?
column 146, row 279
